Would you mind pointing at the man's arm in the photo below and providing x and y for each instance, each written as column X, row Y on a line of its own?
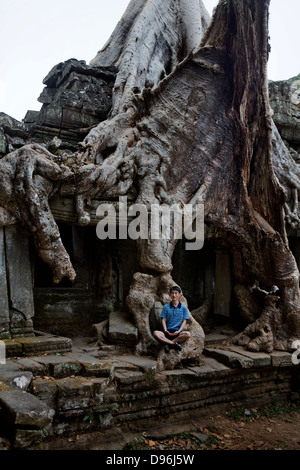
column 184, row 321
column 164, row 324
column 183, row 325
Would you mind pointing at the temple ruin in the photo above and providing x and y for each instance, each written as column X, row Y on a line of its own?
column 185, row 121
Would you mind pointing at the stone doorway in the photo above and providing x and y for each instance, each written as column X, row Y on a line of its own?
column 205, row 277
column 104, row 271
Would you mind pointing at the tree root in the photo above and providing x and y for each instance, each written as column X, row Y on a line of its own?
column 30, row 177
column 261, row 335
column 144, row 292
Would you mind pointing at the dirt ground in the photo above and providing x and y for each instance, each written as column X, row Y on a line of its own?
column 270, row 428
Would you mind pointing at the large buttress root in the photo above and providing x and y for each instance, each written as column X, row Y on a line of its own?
column 29, row 178
column 190, row 123
column 261, row 334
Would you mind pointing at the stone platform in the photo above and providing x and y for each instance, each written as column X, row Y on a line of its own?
column 40, row 343
column 91, row 398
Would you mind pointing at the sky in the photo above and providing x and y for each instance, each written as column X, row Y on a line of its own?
column 36, row 35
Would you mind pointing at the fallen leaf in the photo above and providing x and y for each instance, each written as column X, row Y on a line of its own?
column 151, row 443
column 227, row 435
column 216, row 435
column 260, row 443
column 269, row 429
column 264, row 446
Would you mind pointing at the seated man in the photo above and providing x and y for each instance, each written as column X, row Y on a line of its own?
column 174, row 317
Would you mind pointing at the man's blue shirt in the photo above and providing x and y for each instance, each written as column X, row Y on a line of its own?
column 174, row 315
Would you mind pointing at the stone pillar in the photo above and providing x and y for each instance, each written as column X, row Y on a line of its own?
column 4, row 305
column 209, row 279
column 223, row 286
column 19, row 281
column 105, row 273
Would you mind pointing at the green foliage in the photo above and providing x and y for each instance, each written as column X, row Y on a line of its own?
column 110, row 306
column 224, row 2
column 284, row 411
column 237, row 413
column 136, row 444
column 113, row 306
column 279, row 410
column 93, row 417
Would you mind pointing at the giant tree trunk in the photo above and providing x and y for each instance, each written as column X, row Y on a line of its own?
column 190, row 123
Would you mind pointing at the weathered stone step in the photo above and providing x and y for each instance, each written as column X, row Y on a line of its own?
column 41, row 343
column 14, row 376
column 24, row 417
column 88, row 393
column 235, row 356
column 121, row 329
column 144, row 363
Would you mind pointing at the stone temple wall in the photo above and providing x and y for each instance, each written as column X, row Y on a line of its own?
column 76, row 97
column 285, row 103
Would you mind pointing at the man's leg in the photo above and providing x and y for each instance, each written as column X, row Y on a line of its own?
column 161, row 337
column 183, row 337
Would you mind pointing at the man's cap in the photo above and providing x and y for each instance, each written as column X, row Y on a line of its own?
column 177, row 288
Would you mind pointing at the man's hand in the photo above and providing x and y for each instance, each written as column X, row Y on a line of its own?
column 174, row 333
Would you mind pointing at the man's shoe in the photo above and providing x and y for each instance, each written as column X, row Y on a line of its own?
column 167, row 348
column 177, row 347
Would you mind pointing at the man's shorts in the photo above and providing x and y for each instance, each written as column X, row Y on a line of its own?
column 169, row 336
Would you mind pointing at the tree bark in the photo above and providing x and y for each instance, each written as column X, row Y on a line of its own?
column 190, row 123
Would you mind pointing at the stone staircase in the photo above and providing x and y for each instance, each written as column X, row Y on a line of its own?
column 40, row 343
column 92, row 398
